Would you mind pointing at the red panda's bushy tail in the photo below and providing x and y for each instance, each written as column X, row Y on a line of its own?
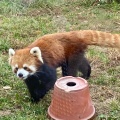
column 91, row 37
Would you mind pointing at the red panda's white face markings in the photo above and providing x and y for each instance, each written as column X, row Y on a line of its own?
column 25, row 62
column 25, row 71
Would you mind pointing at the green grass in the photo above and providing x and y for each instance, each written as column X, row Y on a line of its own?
column 22, row 22
column 12, row 6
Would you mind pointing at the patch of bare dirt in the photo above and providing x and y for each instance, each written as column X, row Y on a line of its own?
column 102, row 97
column 43, row 11
column 4, row 113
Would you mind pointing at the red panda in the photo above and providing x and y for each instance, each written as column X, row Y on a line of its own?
column 56, row 49
column 36, row 63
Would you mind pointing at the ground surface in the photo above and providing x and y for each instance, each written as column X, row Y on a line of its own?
column 23, row 22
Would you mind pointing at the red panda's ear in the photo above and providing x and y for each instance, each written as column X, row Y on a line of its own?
column 11, row 52
column 37, row 52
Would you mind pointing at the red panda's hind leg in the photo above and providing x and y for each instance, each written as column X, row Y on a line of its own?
column 78, row 62
column 64, row 67
column 84, row 68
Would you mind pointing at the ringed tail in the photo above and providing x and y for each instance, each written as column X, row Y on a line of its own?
column 91, row 37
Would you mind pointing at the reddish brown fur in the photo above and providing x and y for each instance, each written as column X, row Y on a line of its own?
column 23, row 56
column 59, row 46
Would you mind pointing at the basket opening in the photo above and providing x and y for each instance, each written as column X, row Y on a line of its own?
column 71, row 84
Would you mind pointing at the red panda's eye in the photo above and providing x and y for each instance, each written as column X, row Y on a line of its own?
column 16, row 68
column 25, row 68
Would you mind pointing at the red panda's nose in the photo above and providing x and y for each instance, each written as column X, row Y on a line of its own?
column 20, row 75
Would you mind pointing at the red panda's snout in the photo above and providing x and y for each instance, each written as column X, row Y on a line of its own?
column 25, row 62
column 23, row 74
column 25, row 71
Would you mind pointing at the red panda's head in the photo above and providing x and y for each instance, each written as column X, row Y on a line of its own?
column 25, row 62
